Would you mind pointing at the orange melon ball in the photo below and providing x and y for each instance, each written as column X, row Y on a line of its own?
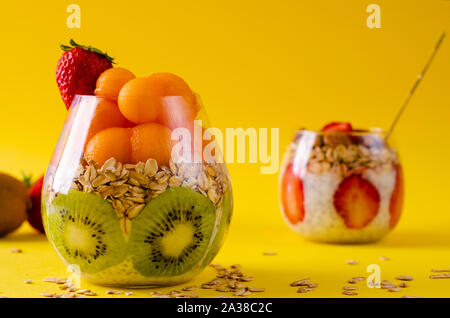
column 111, row 81
column 175, row 112
column 151, row 141
column 137, row 103
column 168, row 84
column 106, row 115
column 142, row 100
column 111, row 142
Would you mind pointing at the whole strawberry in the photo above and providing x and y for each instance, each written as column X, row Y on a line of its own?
column 34, row 213
column 78, row 69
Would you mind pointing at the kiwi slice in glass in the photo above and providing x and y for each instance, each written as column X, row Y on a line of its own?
column 171, row 234
column 86, row 231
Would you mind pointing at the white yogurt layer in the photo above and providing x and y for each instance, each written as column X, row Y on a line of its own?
column 321, row 221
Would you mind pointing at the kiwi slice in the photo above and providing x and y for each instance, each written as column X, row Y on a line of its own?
column 86, row 231
column 171, row 234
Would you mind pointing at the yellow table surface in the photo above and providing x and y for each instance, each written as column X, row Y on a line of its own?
column 410, row 253
column 285, row 64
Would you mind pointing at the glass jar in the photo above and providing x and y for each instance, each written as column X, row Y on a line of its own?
column 341, row 186
column 128, row 204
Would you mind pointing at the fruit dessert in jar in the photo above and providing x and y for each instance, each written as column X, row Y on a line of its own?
column 341, row 185
column 129, row 198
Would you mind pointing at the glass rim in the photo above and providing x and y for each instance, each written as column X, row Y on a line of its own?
column 353, row 132
column 155, row 96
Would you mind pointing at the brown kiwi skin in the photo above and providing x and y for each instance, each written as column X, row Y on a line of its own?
column 14, row 203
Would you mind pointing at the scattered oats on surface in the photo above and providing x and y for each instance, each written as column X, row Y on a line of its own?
column 386, row 282
column 90, row 293
column 240, row 292
column 440, row 270
column 304, row 289
column 403, row 285
column 50, row 279
column 270, row 253
column 207, row 286
column 384, row 258
column 129, row 293
column 394, row 289
column 440, row 276
column 300, row 282
column 48, row 294
column 189, row 295
column 224, row 289
column 350, row 288
column 190, row 288
column 230, row 280
column 411, row 296
column 349, row 293
column 28, row 281
column 404, row 277
column 354, row 280
column 351, row 262
column 16, row 250
column 255, row 290
column 388, row 286
column 160, row 296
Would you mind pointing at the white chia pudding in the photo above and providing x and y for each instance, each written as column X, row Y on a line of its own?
column 347, row 188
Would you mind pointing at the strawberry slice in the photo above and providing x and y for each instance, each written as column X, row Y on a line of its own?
column 292, row 196
column 357, row 201
column 396, row 204
column 337, row 126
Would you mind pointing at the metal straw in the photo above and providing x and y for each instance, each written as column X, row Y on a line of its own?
column 416, row 84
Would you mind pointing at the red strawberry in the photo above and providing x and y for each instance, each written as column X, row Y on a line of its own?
column 78, row 69
column 34, row 214
column 357, row 201
column 292, row 196
column 396, row 204
column 337, row 126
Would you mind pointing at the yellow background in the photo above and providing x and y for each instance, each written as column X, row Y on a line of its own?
column 286, row 64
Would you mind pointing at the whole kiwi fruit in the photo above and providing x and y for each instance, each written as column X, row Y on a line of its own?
column 14, row 203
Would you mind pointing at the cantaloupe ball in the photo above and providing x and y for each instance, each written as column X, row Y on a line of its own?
column 141, row 100
column 175, row 112
column 151, row 141
column 111, row 81
column 110, row 143
column 137, row 103
column 106, row 115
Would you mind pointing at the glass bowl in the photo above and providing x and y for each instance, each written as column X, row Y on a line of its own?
column 128, row 204
column 341, row 187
